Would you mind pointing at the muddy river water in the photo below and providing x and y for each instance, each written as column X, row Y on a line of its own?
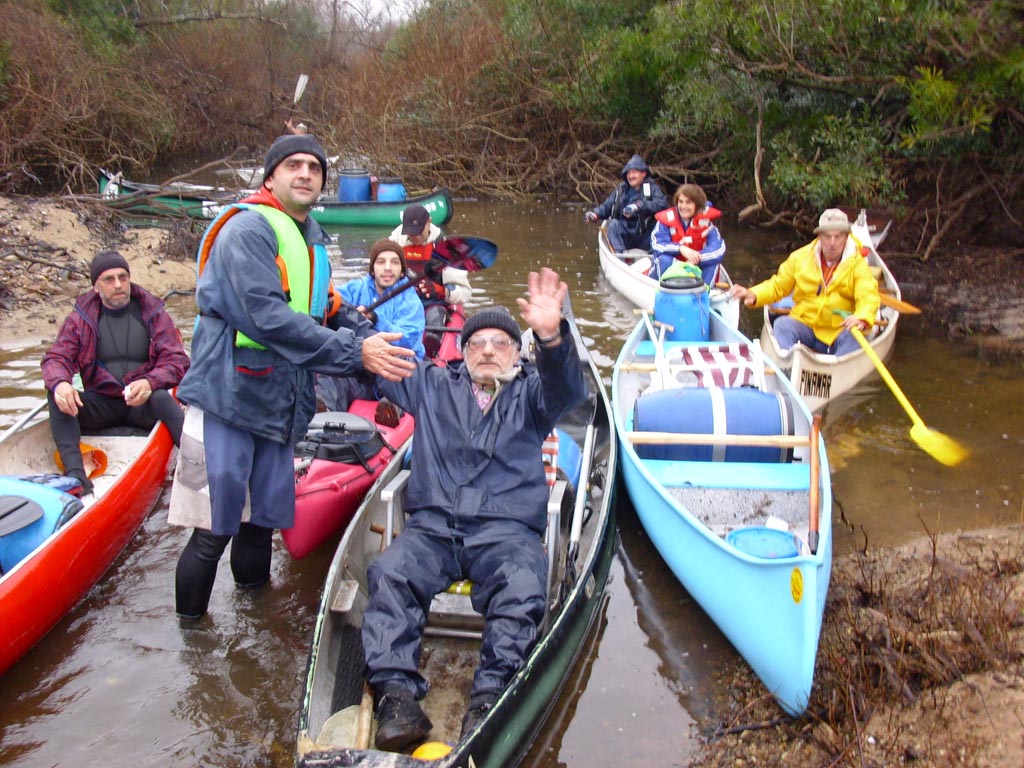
column 119, row 683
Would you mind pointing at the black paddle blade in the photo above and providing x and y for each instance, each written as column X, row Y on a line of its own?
column 467, row 252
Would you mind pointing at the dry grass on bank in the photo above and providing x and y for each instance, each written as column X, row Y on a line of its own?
column 921, row 663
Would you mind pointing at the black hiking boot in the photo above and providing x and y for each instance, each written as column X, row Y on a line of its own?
column 400, row 721
column 479, row 705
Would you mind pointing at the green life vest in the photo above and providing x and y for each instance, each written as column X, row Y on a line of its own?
column 298, row 280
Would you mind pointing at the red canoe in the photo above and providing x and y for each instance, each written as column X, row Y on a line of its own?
column 47, row 583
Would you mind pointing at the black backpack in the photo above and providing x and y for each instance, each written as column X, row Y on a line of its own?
column 342, row 437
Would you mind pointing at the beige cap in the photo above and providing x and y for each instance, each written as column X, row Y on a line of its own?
column 833, row 220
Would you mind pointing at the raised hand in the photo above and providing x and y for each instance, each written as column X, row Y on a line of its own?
column 542, row 311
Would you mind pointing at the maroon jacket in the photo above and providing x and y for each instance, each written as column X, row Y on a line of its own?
column 74, row 350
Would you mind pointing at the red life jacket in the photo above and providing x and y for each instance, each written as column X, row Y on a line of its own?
column 416, row 258
column 692, row 236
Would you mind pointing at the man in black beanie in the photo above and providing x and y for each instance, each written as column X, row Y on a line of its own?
column 269, row 320
column 128, row 352
column 477, row 499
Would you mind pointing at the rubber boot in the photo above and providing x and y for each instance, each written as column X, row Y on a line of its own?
column 196, row 572
column 250, row 555
column 401, row 721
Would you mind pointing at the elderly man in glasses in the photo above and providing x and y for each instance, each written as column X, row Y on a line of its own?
column 477, row 497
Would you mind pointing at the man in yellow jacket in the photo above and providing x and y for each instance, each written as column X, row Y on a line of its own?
column 830, row 273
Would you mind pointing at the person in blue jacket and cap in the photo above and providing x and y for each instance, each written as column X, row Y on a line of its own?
column 477, row 499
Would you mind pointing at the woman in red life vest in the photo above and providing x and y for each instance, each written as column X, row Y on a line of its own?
column 687, row 232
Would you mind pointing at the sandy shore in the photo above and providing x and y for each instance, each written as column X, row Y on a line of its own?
column 46, row 249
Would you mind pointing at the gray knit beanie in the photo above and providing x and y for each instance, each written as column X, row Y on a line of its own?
column 105, row 260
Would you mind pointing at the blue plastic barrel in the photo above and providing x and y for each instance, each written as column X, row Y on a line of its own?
column 710, row 411
column 768, row 543
column 390, row 189
column 354, row 185
column 682, row 302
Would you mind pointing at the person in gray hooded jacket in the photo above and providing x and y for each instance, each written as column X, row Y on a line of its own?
column 630, row 208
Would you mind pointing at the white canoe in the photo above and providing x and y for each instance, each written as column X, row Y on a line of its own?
column 821, row 378
column 627, row 273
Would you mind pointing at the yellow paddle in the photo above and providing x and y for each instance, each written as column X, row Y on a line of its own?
column 937, row 445
column 898, row 304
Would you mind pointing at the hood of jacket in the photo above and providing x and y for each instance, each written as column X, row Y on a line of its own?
column 636, row 163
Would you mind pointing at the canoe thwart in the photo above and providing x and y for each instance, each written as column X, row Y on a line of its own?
column 652, row 367
column 683, row 438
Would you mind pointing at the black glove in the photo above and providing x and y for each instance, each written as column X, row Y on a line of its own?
column 631, row 210
column 427, row 289
column 435, row 267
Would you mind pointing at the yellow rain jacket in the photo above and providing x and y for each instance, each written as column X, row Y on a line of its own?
column 852, row 288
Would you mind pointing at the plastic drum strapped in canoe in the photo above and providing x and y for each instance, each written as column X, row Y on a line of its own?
column 354, row 185
column 714, row 411
column 683, row 303
column 390, row 189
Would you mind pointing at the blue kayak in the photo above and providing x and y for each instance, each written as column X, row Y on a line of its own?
column 29, row 514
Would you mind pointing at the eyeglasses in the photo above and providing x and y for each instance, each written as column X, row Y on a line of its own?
column 500, row 343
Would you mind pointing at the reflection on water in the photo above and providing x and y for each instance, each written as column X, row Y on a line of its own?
column 119, row 683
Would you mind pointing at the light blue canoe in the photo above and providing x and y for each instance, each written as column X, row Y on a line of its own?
column 724, row 465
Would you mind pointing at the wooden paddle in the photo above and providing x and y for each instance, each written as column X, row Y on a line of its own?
column 937, row 445
column 300, row 88
column 815, row 519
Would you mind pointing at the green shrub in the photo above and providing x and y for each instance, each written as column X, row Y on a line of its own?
column 843, row 163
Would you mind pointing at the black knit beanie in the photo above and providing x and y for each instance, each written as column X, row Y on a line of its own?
column 105, row 260
column 292, row 144
column 492, row 317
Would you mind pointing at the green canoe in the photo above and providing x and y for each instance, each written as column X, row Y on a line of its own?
column 205, row 202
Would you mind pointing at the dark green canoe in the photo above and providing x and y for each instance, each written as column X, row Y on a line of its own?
column 335, row 720
column 205, row 202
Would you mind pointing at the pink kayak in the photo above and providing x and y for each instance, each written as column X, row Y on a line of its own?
column 343, row 453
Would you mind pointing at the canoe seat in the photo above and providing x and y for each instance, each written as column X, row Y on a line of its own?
column 733, row 364
column 451, row 612
column 736, row 474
